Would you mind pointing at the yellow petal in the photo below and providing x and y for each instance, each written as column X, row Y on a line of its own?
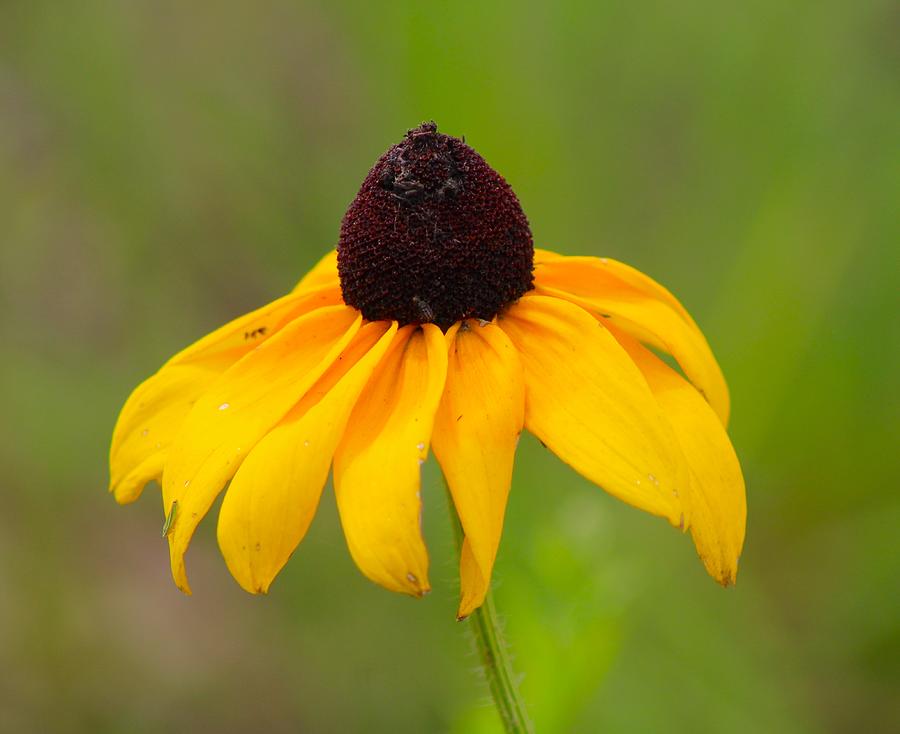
column 147, row 423
column 718, row 499
column 236, row 412
column 544, row 255
column 272, row 499
column 476, row 431
column 636, row 304
column 604, row 272
column 587, row 401
column 323, row 273
column 377, row 464
column 154, row 412
column 238, row 337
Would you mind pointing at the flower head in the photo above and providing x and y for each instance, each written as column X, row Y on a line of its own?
column 434, row 235
column 435, row 325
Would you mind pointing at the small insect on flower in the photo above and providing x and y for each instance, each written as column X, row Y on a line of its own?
column 424, row 309
column 170, row 518
column 434, row 306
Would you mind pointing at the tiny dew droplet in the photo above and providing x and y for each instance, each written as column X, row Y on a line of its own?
column 145, row 432
column 187, row 483
column 224, row 406
column 306, row 442
column 420, row 445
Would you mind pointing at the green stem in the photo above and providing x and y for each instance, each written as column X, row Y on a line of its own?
column 492, row 650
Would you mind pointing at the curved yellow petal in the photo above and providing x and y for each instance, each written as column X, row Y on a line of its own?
column 153, row 414
column 595, row 273
column 476, row 431
column 272, row 499
column 641, row 307
column 587, row 401
column 323, row 273
column 541, row 255
column 239, row 336
column 377, row 463
column 238, row 409
column 151, row 417
column 718, row 498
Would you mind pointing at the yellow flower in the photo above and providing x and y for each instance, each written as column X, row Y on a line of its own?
column 435, row 324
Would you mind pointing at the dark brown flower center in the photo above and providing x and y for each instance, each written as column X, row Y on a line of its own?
column 434, row 235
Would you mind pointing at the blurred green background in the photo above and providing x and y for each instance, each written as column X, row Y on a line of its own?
column 167, row 166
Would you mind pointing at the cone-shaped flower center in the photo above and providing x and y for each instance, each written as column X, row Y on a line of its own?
column 434, row 235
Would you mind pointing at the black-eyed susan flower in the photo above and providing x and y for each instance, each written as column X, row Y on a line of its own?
column 434, row 325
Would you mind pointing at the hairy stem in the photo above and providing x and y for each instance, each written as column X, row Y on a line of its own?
column 493, row 652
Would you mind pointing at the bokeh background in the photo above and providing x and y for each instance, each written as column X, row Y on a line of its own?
column 167, row 166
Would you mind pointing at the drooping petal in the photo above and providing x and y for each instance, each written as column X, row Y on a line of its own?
column 377, row 463
column 323, row 273
column 718, row 498
column 475, row 435
column 641, row 307
column 587, row 401
column 592, row 273
column 154, row 412
column 272, row 499
column 246, row 332
column 148, row 422
column 236, row 411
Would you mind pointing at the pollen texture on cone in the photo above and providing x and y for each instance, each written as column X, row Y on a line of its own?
column 434, row 235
